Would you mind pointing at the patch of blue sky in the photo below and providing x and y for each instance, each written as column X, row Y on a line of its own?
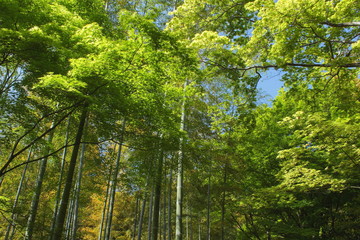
column 269, row 86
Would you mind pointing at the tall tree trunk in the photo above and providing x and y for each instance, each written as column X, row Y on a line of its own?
column 199, row 230
column 105, row 208
column 113, row 186
column 223, row 202
column 141, row 218
column 164, row 208
column 77, row 191
column 142, row 214
column 192, row 229
column 60, row 218
column 69, row 217
column 136, row 218
column 179, row 198
column 169, row 204
column 36, row 197
column 180, row 170
column 150, row 218
column 208, row 209
column 106, row 5
column 62, row 167
column 158, row 181
column 106, row 219
column 187, row 220
column 11, row 227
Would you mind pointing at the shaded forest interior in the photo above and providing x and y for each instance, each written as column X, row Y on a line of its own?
column 144, row 120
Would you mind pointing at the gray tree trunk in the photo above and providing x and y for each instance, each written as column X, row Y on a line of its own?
column 77, row 192
column 105, row 208
column 36, row 197
column 151, row 201
column 180, row 170
column 141, row 218
column 58, row 191
column 187, row 220
column 223, row 202
column 60, row 218
column 199, row 230
column 142, row 214
column 208, row 209
column 69, row 217
column 12, row 225
column 164, row 208
column 113, row 186
column 169, row 204
column 136, row 217
column 158, row 182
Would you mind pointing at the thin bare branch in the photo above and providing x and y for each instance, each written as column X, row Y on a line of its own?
column 346, row 24
column 13, row 155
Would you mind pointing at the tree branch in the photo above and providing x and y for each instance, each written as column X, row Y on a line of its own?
column 346, row 24
column 307, row 65
column 13, row 155
column 35, row 160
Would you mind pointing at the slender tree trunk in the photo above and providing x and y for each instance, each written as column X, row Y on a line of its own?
column 106, row 220
column 69, row 218
column 208, row 209
column 159, row 228
column 158, row 181
column 191, row 229
column 77, row 191
column 169, row 204
column 136, row 217
column 58, row 191
column 187, row 220
column 223, row 202
column 141, row 218
column 113, row 186
column 199, row 230
column 36, row 197
column 151, row 202
column 180, row 170
column 179, row 198
column 60, row 218
column 106, row 5
column 164, row 208
column 104, row 212
column 11, row 227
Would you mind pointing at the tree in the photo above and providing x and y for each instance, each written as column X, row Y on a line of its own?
column 288, row 169
column 319, row 35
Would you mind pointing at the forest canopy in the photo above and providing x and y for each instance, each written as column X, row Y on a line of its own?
column 144, row 120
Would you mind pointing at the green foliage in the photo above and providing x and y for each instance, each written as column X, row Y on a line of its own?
column 285, row 171
column 303, row 32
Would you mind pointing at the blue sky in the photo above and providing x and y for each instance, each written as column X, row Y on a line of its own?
column 269, row 85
